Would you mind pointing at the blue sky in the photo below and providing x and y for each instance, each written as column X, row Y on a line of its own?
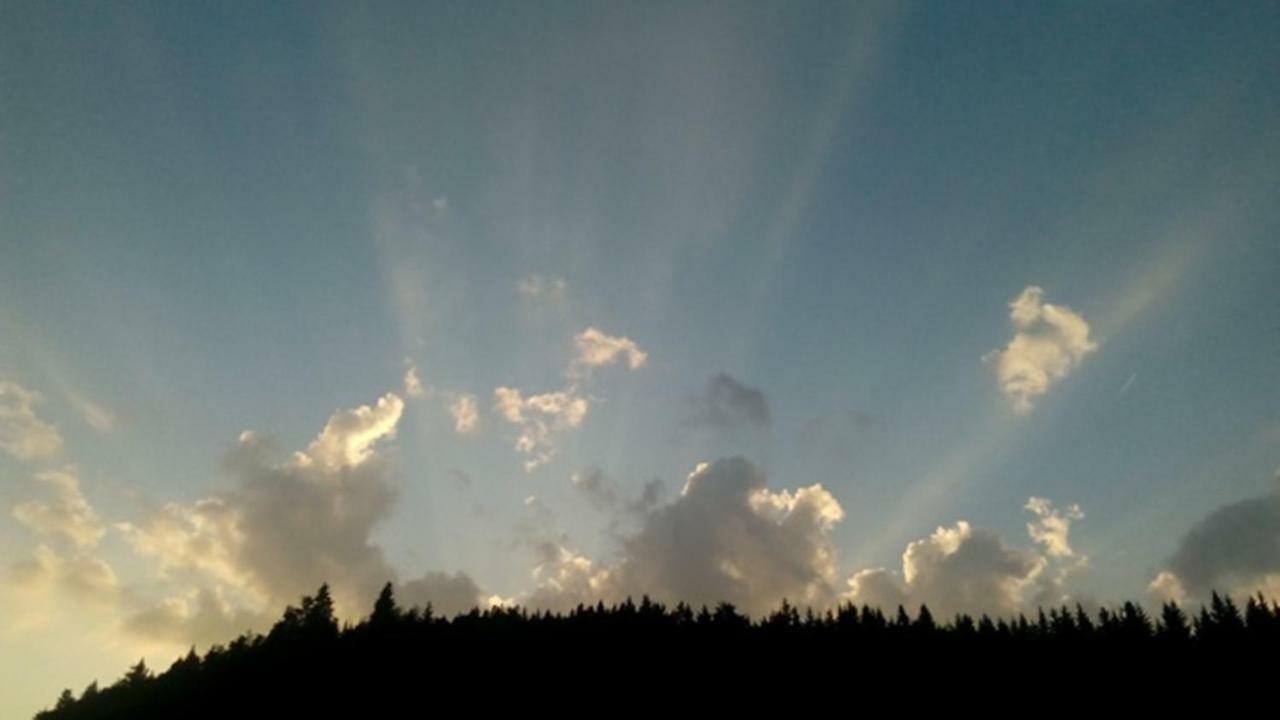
column 220, row 218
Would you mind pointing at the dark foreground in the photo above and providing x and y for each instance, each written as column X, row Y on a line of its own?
column 645, row 657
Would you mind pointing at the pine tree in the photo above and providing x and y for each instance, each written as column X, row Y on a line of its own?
column 385, row 612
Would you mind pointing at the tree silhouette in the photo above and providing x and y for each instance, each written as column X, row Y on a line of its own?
column 307, row 660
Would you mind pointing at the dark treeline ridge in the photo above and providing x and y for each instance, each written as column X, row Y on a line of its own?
column 307, row 662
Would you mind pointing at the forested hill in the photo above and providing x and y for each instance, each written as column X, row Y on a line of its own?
column 410, row 659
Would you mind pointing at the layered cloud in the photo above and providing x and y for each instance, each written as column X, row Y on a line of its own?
column 1234, row 549
column 1048, row 343
column 23, row 434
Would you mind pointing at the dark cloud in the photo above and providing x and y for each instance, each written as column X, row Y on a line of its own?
column 726, row 404
column 1235, row 549
column 726, row 537
column 448, row 594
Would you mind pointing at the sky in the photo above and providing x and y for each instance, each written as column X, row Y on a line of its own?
column 965, row 304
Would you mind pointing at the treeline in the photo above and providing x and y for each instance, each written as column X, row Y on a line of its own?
column 307, row 662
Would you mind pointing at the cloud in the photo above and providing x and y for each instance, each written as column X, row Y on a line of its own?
column 727, row 404
column 876, row 587
column 448, row 593
column 544, row 416
column 288, row 526
column 79, row 574
column 540, row 418
column 206, row 537
column 68, row 515
column 201, row 616
column 594, row 485
column 1049, row 342
column 413, row 386
column 726, row 537
column 535, row 287
column 466, row 414
column 1235, row 549
column 347, row 438
column 596, row 349
column 957, row 569
column 22, row 433
column 1052, row 526
column 565, row 580
column 962, row 569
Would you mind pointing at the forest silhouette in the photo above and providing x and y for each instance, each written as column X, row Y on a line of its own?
column 309, row 663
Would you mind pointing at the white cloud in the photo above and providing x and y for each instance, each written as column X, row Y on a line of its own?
column 544, row 416
column 68, row 515
column 466, row 414
column 1052, row 526
column 956, row 569
column 349, row 435
column 22, row 433
column 962, row 569
column 596, row 349
column 1049, row 342
column 541, row 418
column 1167, row 587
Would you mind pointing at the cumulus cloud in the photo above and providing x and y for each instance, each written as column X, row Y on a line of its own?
column 68, row 515
column 1048, row 343
column 288, row 526
column 727, row 404
column 1235, row 549
column 536, row 287
column 962, row 569
column 466, row 414
column 956, row 569
column 596, row 349
column 726, row 537
column 22, row 433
